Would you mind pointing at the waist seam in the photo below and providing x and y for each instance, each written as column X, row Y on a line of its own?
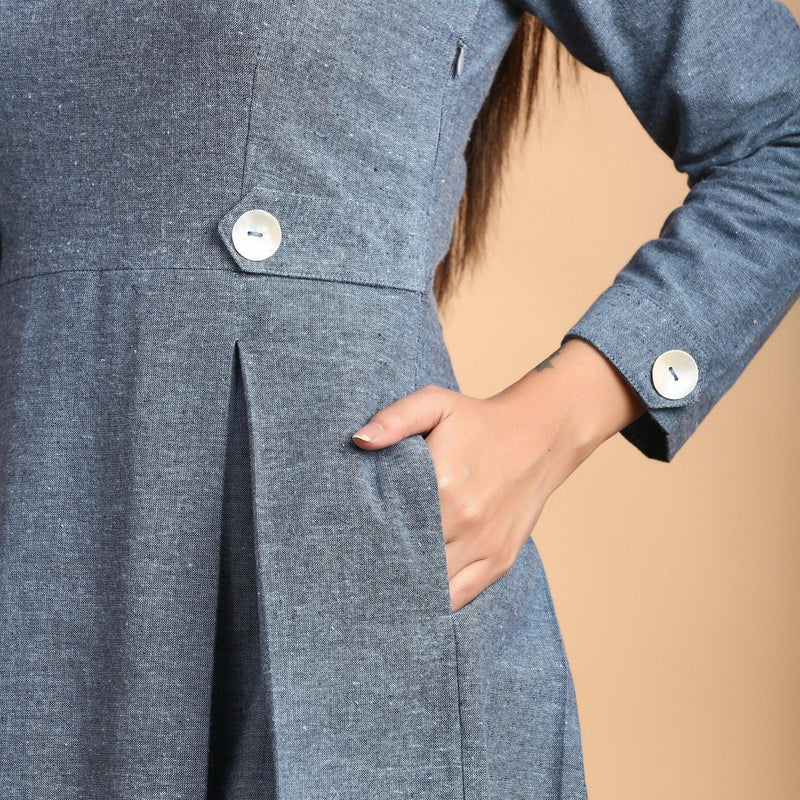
column 245, row 276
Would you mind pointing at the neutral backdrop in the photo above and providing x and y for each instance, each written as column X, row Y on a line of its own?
column 675, row 584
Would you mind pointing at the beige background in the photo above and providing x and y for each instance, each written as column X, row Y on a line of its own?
column 675, row 584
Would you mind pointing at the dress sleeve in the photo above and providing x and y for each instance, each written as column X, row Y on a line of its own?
column 716, row 84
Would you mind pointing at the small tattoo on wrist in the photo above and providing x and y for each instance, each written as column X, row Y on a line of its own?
column 548, row 362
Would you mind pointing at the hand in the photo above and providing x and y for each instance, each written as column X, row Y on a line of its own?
column 498, row 459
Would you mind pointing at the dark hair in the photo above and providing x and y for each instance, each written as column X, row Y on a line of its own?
column 511, row 98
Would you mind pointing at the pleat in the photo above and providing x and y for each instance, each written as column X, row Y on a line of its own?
column 240, row 763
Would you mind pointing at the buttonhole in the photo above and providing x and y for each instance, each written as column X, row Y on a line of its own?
column 673, row 373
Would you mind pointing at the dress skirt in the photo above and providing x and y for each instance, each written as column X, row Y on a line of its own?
column 209, row 591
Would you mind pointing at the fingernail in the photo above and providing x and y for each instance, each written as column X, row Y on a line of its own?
column 369, row 432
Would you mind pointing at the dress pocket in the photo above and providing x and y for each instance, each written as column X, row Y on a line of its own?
column 407, row 470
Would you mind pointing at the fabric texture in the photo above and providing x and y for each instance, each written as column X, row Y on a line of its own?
column 206, row 590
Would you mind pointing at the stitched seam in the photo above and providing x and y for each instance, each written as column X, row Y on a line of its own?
column 689, row 334
column 213, row 269
column 451, row 615
column 457, row 31
column 442, row 99
column 461, row 736
column 250, row 109
column 418, row 341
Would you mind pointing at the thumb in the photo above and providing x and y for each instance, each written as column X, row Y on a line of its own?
column 418, row 412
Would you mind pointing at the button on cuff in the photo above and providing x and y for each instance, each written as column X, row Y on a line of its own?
column 634, row 332
column 674, row 374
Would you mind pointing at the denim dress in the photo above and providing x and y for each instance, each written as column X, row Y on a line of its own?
column 219, row 224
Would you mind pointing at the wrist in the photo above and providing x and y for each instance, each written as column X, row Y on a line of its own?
column 602, row 397
column 576, row 398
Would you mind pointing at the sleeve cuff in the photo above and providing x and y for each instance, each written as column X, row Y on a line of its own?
column 636, row 334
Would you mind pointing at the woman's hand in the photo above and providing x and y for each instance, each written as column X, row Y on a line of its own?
column 498, row 459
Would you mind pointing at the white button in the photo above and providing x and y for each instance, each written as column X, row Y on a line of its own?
column 674, row 374
column 256, row 234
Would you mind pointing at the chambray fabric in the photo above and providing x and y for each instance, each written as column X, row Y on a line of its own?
column 206, row 590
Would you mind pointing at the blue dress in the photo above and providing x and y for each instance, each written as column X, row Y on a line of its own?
column 219, row 224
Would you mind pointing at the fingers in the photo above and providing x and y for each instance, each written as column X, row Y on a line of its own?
column 469, row 582
column 478, row 575
column 418, row 412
